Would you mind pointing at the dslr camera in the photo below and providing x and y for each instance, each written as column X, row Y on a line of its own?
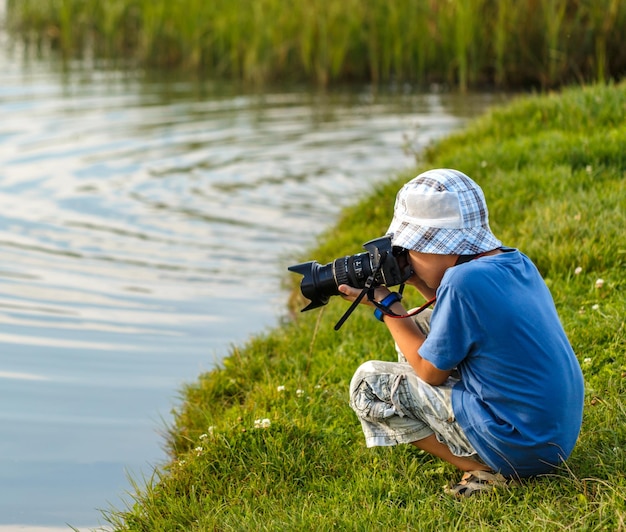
column 381, row 264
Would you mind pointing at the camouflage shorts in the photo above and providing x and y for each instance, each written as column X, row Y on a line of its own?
column 395, row 406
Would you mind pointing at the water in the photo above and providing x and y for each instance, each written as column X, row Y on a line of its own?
column 145, row 228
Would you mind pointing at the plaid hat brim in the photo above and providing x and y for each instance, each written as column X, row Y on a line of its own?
column 440, row 241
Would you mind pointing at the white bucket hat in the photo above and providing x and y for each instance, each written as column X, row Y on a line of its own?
column 443, row 212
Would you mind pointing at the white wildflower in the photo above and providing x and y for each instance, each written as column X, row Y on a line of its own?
column 299, row 393
column 281, row 388
column 599, row 283
column 595, row 307
column 587, row 360
column 483, row 164
column 198, row 449
column 578, row 270
column 589, row 169
column 210, row 430
column 262, row 423
column 204, row 436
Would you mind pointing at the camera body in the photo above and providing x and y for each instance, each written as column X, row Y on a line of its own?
column 389, row 265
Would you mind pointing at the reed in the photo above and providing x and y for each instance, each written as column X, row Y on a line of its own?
column 553, row 12
column 464, row 43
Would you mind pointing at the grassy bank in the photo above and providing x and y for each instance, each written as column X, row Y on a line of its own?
column 268, row 442
column 461, row 42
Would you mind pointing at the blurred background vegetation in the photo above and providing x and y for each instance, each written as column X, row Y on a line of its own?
column 461, row 43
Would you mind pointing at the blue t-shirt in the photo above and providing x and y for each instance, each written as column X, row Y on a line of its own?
column 520, row 397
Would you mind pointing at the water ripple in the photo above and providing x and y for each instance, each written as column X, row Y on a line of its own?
column 144, row 228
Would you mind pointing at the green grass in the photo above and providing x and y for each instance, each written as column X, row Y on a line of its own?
column 464, row 43
column 552, row 168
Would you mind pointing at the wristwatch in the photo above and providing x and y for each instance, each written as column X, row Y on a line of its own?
column 388, row 300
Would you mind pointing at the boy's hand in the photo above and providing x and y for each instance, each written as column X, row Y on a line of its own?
column 349, row 293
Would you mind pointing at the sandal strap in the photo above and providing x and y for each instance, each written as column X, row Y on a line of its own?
column 476, row 481
column 489, row 477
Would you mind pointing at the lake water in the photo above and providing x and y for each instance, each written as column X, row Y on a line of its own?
column 145, row 227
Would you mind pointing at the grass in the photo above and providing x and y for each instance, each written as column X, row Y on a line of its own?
column 464, row 43
column 267, row 440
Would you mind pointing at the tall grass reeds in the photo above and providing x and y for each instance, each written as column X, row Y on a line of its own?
column 464, row 43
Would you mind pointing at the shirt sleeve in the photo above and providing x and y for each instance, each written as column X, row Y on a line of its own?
column 454, row 330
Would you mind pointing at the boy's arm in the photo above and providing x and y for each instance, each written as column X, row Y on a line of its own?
column 406, row 334
column 410, row 338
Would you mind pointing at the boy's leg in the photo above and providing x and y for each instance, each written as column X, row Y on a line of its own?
column 433, row 446
column 395, row 406
column 423, row 322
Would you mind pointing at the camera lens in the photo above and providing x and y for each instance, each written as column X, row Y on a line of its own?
column 318, row 282
column 352, row 270
column 321, row 282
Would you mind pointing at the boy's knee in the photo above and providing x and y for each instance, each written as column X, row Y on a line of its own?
column 358, row 380
column 370, row 392
column 367, row 405
column 365, row 370
column 423, row 320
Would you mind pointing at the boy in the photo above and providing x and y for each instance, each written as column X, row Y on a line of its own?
column 491, row 385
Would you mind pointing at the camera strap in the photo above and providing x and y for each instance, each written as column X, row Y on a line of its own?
column 369, row 286
column 388, row 312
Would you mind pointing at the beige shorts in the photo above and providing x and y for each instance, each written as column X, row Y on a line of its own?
column 395, row 406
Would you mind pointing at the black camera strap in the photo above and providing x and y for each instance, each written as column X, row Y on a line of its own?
column 369, row 286
column 369, row 290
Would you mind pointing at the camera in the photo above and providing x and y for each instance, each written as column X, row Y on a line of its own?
column 381, row 264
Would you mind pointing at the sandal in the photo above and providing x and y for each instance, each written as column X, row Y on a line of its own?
column 476, row 481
